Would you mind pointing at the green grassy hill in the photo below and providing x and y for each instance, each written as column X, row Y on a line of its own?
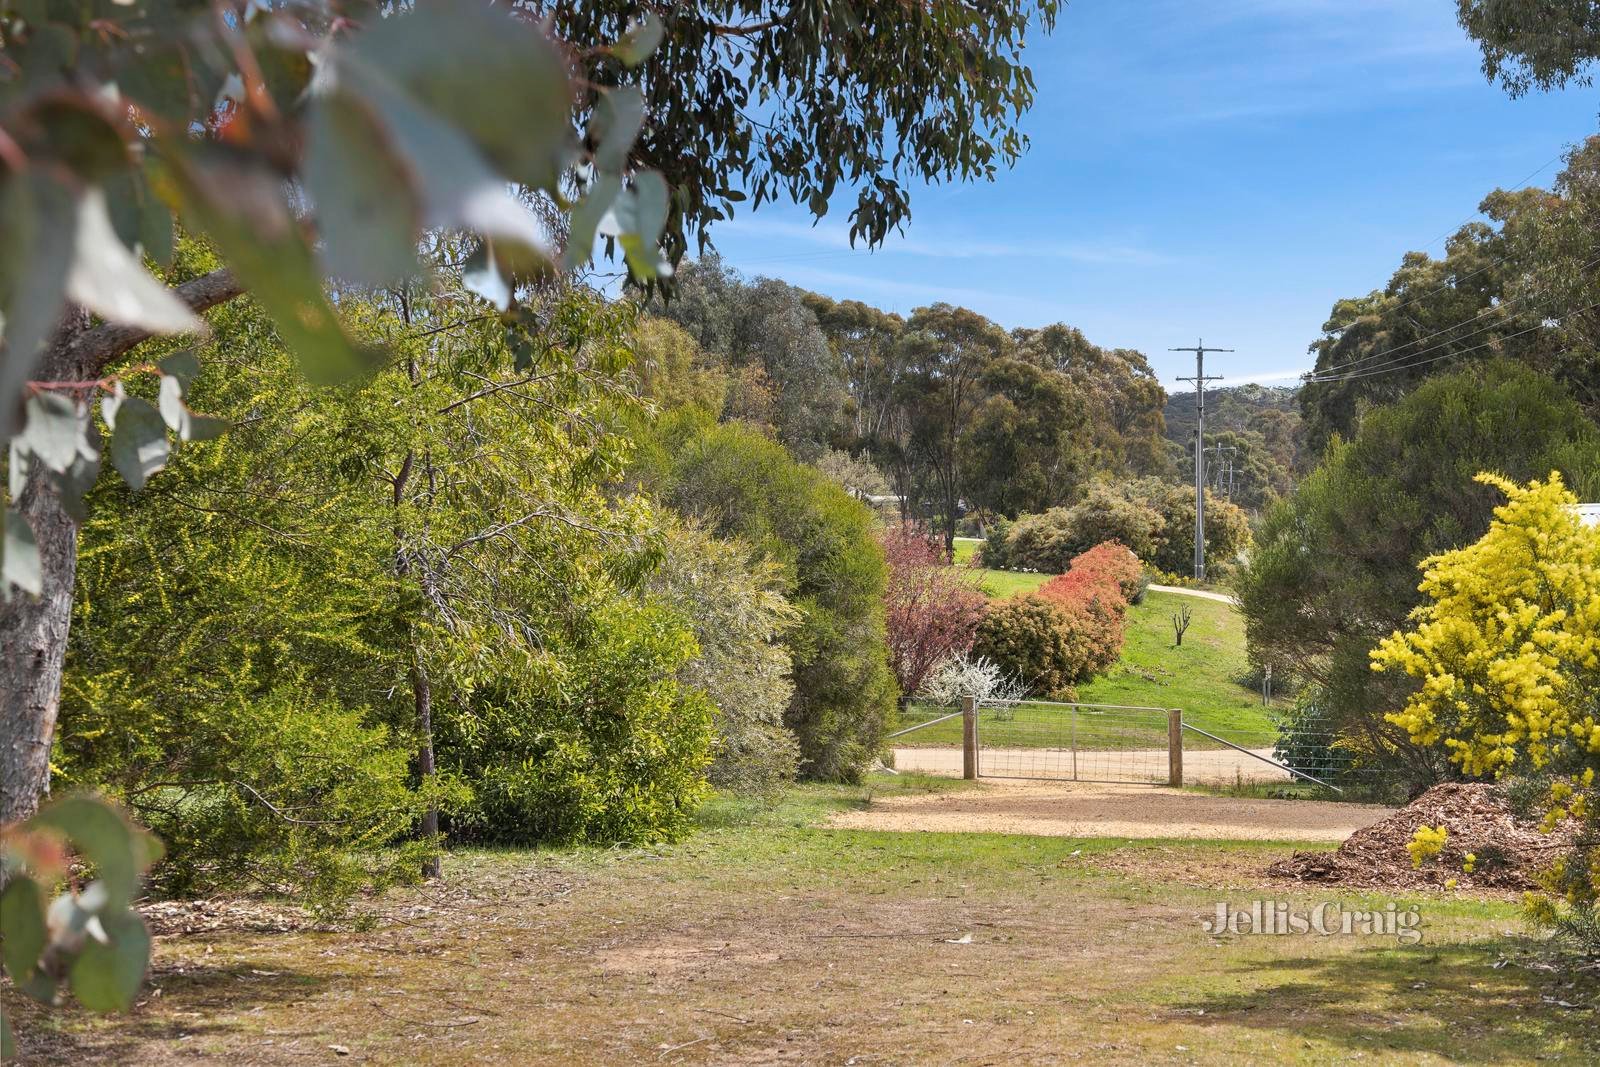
column 1200, row 677
column 997, row 584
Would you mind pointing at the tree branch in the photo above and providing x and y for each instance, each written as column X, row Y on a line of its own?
column 95, row 348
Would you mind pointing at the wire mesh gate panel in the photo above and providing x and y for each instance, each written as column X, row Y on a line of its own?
column 1074, row 742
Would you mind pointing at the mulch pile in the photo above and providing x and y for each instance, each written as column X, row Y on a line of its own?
column 1510, row 851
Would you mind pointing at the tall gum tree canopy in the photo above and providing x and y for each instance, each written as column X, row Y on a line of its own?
column 1523, row 285
column 632, row 125
column 1534, row 44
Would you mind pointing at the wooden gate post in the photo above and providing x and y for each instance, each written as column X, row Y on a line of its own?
column 1175, row 748
column 969, row 738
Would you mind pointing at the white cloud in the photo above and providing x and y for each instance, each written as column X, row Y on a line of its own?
column 835, row 239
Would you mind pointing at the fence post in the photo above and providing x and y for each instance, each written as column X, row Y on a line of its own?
column 1175, row 748
column 969, row 738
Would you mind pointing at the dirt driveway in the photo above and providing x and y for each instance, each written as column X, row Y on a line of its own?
column 1085, row 809
column 1213, row 766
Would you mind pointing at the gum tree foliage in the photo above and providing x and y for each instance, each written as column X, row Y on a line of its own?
column 1533, row 44
column 1333, row 569
column 1022, row 448
column 866, row 342
column 948, row 351
column 1123, row 423
column 783, row 376
column 1521, row 286
column 749, row 101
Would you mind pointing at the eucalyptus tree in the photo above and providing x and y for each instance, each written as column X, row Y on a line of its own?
column 948, row 350
column 1534, row 44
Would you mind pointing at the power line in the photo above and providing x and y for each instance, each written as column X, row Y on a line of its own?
column 1508, row 337
column 1342, row 371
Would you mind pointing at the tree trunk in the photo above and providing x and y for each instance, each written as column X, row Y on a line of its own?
column 33, row 631
column 422, row 689
column 33, row 647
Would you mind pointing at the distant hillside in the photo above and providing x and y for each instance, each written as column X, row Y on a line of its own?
column 1261, row 422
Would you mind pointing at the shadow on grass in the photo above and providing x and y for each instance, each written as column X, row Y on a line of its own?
column 1451, row 1001
column 195, row 1001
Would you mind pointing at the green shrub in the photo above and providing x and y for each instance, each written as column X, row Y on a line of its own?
column 293, row 795
column 739, row 618
column 1050, row 645
column 1334, row 567
column 597, row 741
column 737, row 483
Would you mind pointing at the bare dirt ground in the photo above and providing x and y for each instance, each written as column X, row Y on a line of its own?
column 1093, row 809
column 1212, row 766
column 777, row 942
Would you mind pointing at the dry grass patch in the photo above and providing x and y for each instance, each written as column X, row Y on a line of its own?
column 766, row 938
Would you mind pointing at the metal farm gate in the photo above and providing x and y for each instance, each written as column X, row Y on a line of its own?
column 1079, row 742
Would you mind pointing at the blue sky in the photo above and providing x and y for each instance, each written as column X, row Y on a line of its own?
column 1225, row 169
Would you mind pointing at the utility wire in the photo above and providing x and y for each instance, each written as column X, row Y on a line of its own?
column 1409, row 366
column 1398, row 354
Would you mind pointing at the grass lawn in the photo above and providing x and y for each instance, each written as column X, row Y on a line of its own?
column 997, row 584
column 769, row 937
column 1198, row 677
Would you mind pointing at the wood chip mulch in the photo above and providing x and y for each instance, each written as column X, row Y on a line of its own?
column 1510, row 851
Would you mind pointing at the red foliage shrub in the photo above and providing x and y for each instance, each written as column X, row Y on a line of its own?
column 1106, row 564
column 933, row 610
column 1093, row 597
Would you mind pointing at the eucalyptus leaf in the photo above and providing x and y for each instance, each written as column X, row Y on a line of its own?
column 586, row 218
column 38, row 222
column 107, row 976
column 242, row 208
column 636, row 220
column 183, row 365
column 496, row 79
column 170, row 402
column 618, row 117
column 103, row 836
column 203, row 427
column 368, row 207
column 109, row 280
column 18, row 467
column 53, row 427
column 20, row 566
column 139, row 443
column 22, row 929
column 640, row 40
column 481, row 275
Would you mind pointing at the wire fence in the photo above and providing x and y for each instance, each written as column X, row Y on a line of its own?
column 1310, row 743
column 1116, row 743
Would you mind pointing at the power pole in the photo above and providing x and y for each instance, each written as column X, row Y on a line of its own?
column 1200, row 381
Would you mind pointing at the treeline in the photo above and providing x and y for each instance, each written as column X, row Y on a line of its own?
column 1483, row 361
column 955, row 416
column 1255, row 446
